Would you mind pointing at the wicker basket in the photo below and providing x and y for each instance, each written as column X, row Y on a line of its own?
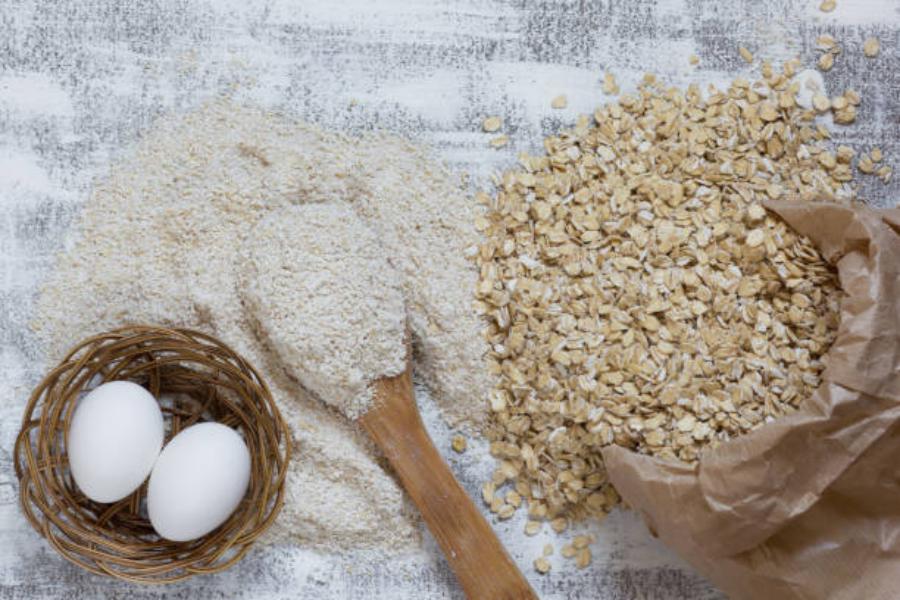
column 205, row 381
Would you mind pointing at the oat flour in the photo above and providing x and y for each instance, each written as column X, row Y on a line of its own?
column 159, row 242
column 320, row 290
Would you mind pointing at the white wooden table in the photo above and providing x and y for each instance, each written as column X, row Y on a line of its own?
column 80, row 80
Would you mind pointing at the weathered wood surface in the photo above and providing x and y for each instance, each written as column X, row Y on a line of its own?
column 80, row 79
column 470, row 545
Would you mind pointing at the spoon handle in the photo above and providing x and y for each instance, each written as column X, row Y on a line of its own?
column 481, row 564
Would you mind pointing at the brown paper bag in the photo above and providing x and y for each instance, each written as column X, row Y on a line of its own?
column 807, row 506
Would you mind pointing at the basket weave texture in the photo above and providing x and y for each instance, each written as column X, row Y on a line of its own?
column 200, row 379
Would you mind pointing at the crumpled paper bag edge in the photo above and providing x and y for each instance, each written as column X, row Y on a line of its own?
column 714, row 511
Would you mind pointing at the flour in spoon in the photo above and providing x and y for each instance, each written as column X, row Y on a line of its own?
column 322, row 293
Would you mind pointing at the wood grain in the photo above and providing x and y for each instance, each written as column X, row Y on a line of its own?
column 481, row 564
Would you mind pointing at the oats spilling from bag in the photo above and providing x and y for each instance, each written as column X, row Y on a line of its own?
column 638, row 293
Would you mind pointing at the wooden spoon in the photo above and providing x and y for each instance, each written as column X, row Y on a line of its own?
column 482, row 566
column 313, row 277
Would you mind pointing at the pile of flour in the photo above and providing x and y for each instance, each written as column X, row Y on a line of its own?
column 160, row 241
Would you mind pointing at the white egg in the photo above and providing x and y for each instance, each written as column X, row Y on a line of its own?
column 200, row 477
column 114, row 438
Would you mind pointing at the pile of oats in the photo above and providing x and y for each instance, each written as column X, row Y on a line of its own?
column 638, row 293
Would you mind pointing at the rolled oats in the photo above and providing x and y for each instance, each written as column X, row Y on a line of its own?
column 636, row 292
column 542, row 565
column 871, row 47
column 492, row 124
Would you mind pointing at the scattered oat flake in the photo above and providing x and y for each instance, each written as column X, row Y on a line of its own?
column 513, row 498
column 559, row 102
column 825, row 42
column 542, row 565
column 499, row 141
column 487, row 492
column 492, row 124
column 532, row 527
column 559, row 524
column 826, row 61
column 845, row 154
column 569, row 551
column 876, row 154
column 694, row 59
column 865, row 164
column 582, row 541
column 871, row 47
column 827, row 160
column 745, row 54
column 583, row 559
column 609, row 84
column 506, row 512
column 845, row 116
column 821, row 103
column 665, row 285
column 458, row 443
column 827, row 6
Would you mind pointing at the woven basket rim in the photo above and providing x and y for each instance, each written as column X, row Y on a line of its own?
column 203, row 379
